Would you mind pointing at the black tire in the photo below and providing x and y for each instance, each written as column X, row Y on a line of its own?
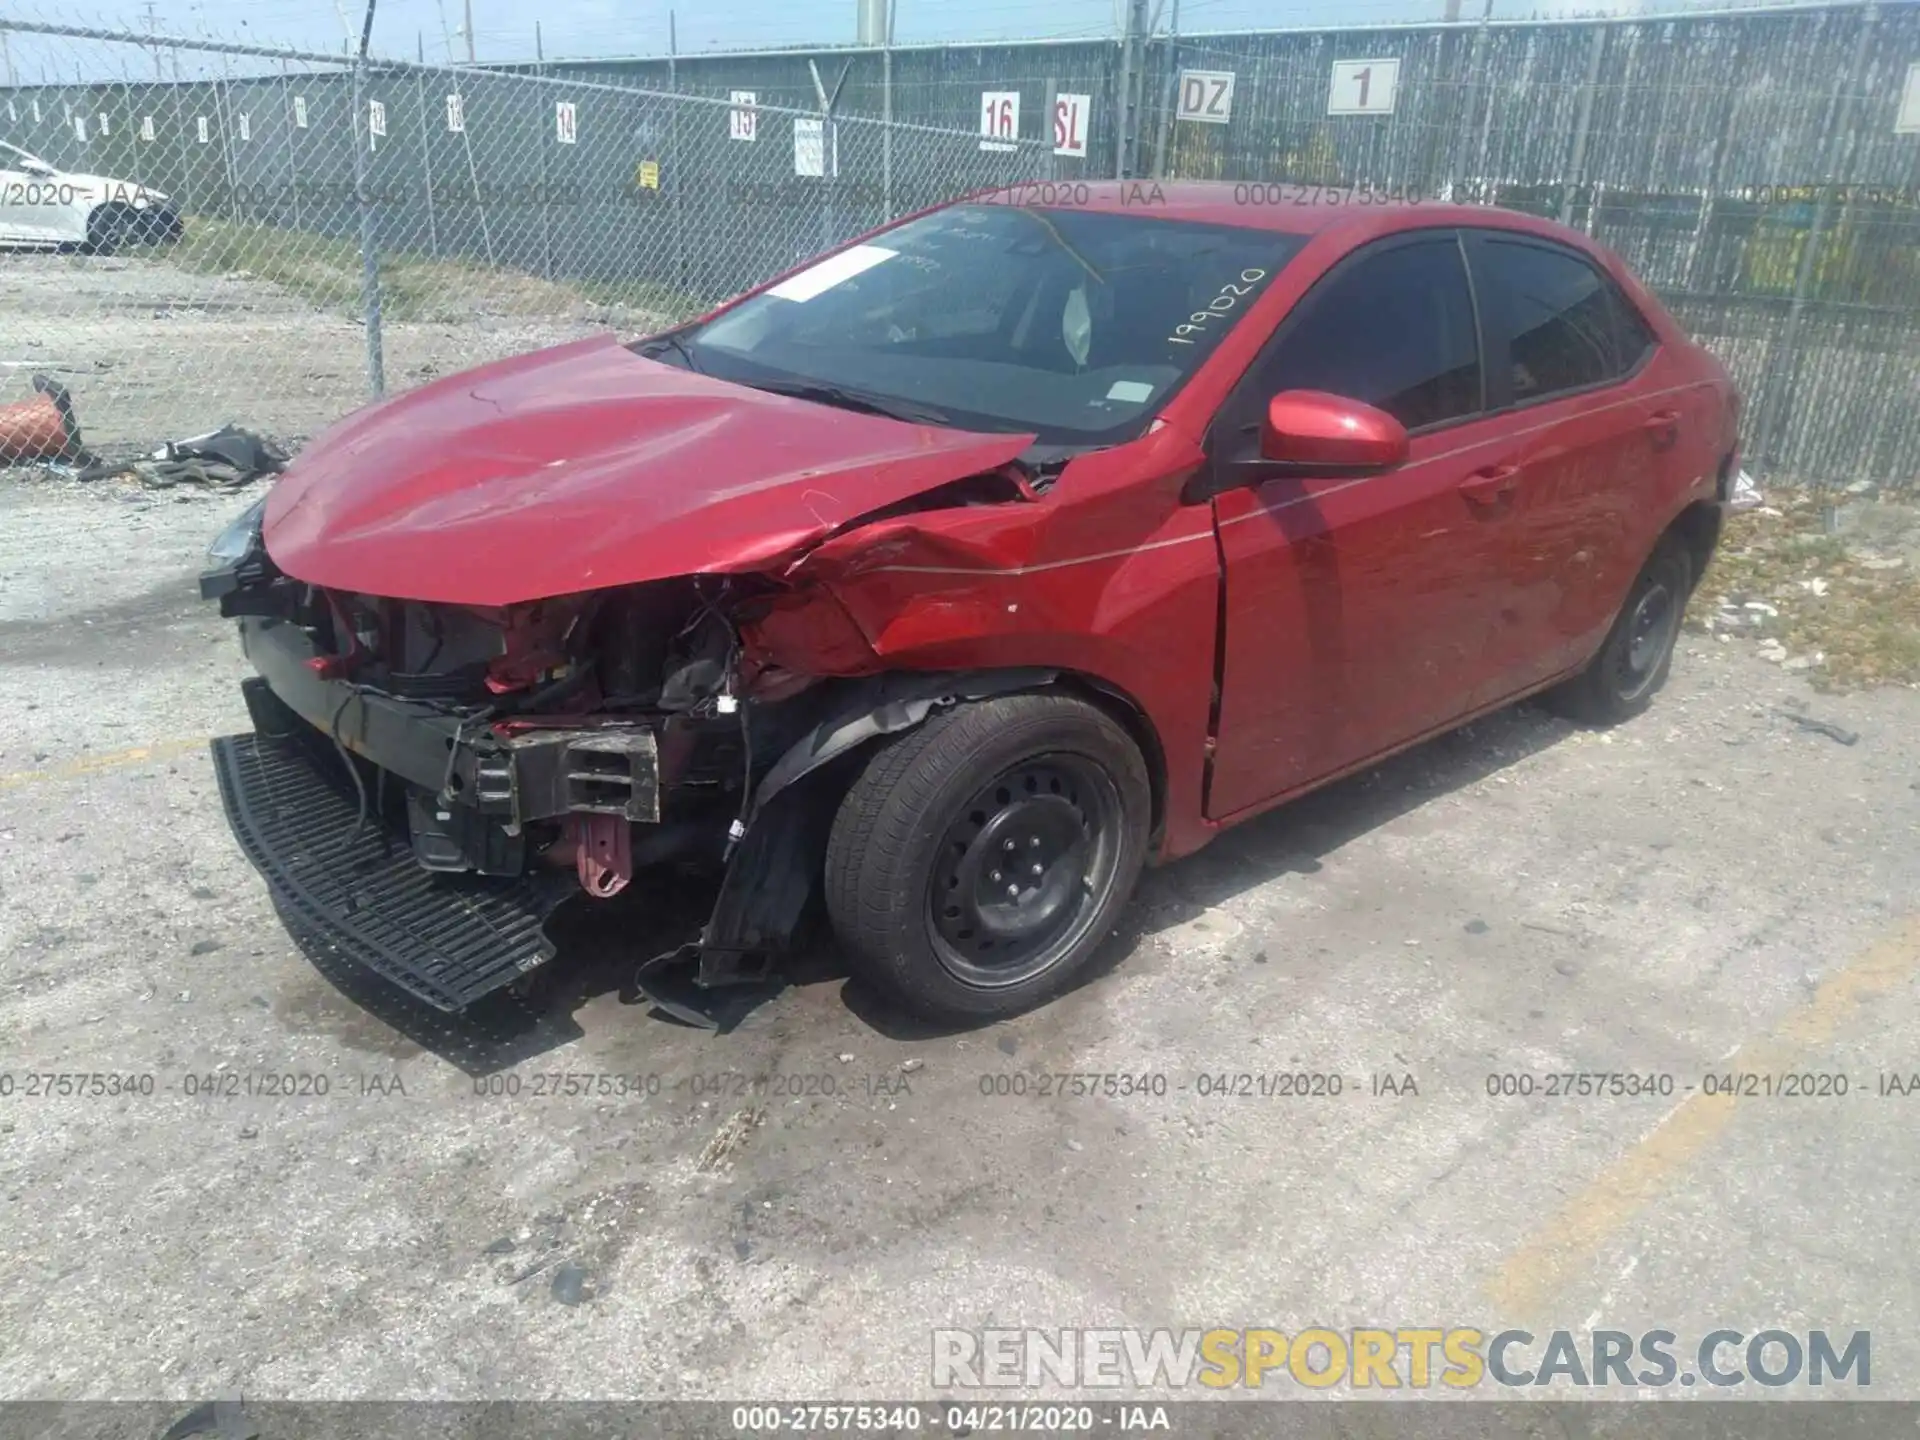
column 1632, row 662
column 916, row 861
column 107, row 230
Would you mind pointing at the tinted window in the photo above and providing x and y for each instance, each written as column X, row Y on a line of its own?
column 1565, row 320
column 1636, row 337
column 1394, row 329
column 1076, row 325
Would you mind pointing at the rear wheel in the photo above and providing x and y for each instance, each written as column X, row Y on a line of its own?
column 978, row 861
column 1633, row 661
column 108, row 229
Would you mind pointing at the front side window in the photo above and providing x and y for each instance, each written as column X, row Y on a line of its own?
column 1394, row 329
column 1076, row 325
column 1564, row 320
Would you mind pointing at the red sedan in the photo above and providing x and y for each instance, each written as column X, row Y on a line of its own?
column 954, row 576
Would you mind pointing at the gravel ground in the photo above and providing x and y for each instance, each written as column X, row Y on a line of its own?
column 153, row 353
column 1711, row 887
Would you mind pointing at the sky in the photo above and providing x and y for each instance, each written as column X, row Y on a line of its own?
column 574, row 29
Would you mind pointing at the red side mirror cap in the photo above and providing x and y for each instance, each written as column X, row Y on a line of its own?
column 1311, row 427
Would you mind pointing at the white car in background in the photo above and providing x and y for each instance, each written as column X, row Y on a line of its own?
column 44, row 207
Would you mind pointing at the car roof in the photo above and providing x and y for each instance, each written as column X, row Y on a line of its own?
column 1288, row 207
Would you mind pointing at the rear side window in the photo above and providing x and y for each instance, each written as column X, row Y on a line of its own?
column 1568, row 326
column 1394, row 329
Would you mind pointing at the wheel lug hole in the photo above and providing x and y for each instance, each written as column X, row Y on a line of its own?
column 996, row 877
column 1037, row 869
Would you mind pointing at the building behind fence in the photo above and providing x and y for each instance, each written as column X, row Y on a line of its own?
column 1760, row 170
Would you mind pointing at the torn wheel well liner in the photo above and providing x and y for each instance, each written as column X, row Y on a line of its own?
column 773, row 875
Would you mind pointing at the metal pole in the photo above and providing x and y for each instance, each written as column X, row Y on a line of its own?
column 1168, row 97
column 544, row 199
column 369, row 245
column 886, row 122
column 672, row 179
column 1124, row 141
column 1583, row 123
column 469, row 31
column 426, row 142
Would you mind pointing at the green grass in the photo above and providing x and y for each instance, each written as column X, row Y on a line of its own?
column 1866, row 625
column 327, row 275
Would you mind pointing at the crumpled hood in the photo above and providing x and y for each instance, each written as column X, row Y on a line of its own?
column 586, row 466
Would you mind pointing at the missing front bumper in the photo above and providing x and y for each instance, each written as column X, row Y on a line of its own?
column 347, row 881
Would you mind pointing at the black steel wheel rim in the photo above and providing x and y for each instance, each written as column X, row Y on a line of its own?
column 1022, row 870
column 1652, row 625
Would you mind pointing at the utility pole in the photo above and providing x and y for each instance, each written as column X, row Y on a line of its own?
column 469, row 31
column 1126, row 143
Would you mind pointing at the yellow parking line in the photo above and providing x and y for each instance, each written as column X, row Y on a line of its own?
column 1561, row 1251
column 92, row 764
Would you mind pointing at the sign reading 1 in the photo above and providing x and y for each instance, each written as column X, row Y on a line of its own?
column 1363, row 87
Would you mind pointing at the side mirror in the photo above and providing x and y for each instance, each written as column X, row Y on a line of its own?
column 1312, row 430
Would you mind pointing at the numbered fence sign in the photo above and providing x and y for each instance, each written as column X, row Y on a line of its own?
column 36, row 112
column 1908, row 121
column 743, row 120
column 566, row 125
column 201, row 130
column 376, row 118
column 146, row 128
column 456, row 115
column 102, row 121
column 1071, row 116
column 299, row 112
column 246, row 126
column 1205, row 95
column 1363, row 87
column 999, row 119
column 80, row 127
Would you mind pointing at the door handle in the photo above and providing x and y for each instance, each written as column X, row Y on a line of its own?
column 1664, row 427
column 1491, row 485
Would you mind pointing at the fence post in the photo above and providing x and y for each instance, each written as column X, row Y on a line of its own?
column 426, row 142
column 369, row 245
column 886, row 123
column 1836, row 153
column 1582, row 124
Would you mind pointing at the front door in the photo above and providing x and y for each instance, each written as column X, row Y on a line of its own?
column 1358, row 610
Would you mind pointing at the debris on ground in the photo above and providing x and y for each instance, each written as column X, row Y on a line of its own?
column 1824, row 584
column 221, row 459
column 1746, row 493
column 1821, row 727
column 41, row 429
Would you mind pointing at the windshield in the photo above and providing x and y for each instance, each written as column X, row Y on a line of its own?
column 1075, row 325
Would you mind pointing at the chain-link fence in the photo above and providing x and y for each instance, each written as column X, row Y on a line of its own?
column 1761, row 170
column 277, row 242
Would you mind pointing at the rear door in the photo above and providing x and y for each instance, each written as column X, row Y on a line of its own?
column 1564, row 348
column 1357, row 610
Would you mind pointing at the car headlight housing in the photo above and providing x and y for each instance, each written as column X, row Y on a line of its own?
column 231, row 545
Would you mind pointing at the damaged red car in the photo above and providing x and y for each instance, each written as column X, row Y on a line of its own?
column 944, row 582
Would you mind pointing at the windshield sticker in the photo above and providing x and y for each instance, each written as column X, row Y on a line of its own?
column 1132, row 391
column 1218, row 314
column 832, row 271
